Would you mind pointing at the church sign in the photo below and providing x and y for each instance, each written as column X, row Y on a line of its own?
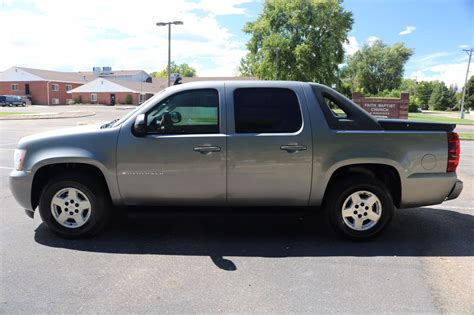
column 382, row 107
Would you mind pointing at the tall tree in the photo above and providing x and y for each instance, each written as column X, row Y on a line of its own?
column 377, row 67
column 423, row 93
column 440, row 97
column 183, row 69
column 469, row 98
column 297, row 40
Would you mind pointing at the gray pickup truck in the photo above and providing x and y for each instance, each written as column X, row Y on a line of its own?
column 234, row 144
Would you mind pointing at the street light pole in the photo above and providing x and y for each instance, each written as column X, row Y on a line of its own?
column 169, row 44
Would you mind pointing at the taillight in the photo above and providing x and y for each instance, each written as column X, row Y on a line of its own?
column 454, row 149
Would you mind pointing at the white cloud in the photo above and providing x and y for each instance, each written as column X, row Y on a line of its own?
column 77, row 35
column 450, row 73
column 220, row 7
column 351, row 46
column 407, row 30
column 371, row 40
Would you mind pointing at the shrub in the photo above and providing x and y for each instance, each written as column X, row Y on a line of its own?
column 78, row 100
column 128, row 99
column 414, row 104
column 413, row 108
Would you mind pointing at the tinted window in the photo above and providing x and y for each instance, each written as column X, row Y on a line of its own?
column 190, row 112
column 266, row 110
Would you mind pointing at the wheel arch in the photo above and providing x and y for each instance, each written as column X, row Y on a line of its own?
column 386, row 173
column 47, row 171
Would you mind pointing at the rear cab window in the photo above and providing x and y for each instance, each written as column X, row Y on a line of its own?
column 266, row 110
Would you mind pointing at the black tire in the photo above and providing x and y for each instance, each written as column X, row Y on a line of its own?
column 336, row 198
column 95, row 192
column 23, row 104
column 10, row 105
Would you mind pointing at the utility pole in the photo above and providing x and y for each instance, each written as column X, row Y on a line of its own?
column 169, row 44
column 469, row 52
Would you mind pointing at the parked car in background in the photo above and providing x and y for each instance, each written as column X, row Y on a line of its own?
column 237, row 144
column 12, row 100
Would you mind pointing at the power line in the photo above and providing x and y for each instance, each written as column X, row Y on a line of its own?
column 469, row 52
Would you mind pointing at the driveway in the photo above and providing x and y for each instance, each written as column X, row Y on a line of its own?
column 235, row 262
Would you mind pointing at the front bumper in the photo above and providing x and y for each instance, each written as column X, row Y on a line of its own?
column 20, row 186
column 456, row 191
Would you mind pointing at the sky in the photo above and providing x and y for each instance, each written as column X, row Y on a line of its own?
column 78, row 35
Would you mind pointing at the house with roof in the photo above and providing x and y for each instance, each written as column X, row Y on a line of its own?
column 47, row 87
column 40, row 86
column 108, row 91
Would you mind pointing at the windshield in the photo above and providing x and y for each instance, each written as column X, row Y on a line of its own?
column 124, row 118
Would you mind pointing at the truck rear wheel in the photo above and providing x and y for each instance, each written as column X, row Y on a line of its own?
column 359, row 207
column 75, row 206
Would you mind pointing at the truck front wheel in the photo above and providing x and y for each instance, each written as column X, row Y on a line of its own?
column 74, row 206
column 359, row 207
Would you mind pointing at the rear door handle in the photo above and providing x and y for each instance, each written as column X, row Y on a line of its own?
column 292, row 148
column 207, row 149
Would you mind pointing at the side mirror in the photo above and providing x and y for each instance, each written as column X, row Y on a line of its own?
column 139, row 127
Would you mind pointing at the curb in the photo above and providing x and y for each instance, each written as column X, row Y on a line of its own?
column 48, row 116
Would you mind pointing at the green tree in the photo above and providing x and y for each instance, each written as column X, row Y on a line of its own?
column 297, row 40
column 440, row 97
column 183, row 69
column 469, row 98
column 408, row 86
column 378, row 67
column 423, row 93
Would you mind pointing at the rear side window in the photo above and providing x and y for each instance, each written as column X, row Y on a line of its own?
column 334, row 107
column 266, row 110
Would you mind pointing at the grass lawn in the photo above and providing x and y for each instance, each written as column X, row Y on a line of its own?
column 12, row 113
column 433, row 118
column 466, row 136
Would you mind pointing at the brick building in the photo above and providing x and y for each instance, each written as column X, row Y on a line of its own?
column 110, row 92
column 51, row 87
column 40, row 86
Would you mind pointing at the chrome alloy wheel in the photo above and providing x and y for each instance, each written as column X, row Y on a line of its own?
column 70, row 207
column 361, row 210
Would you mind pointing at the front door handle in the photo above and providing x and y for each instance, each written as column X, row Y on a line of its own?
column 292, row 148
column 207, row 149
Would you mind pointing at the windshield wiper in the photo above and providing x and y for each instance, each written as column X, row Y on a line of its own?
column 109, row 124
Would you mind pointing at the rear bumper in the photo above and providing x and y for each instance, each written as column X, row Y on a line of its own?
column 429, row 189
column 456, row 191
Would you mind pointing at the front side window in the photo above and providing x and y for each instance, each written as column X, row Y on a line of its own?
column 68, row 87
column 266, row 110
column 93, row 97
column 189, row 112
column 14, row 87
column 55, row 87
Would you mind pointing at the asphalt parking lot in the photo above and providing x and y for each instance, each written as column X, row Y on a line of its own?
column 245, row 263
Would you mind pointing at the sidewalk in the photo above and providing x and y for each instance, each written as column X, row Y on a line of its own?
column 48, row 115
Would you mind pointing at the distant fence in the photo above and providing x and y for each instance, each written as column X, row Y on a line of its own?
column 384, row 107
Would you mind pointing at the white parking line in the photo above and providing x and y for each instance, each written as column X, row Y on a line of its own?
column 5, row 149
column 4, row 144
column 450, row 207
column 6, row 168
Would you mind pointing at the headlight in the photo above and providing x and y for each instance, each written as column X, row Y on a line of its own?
column 19, row 159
